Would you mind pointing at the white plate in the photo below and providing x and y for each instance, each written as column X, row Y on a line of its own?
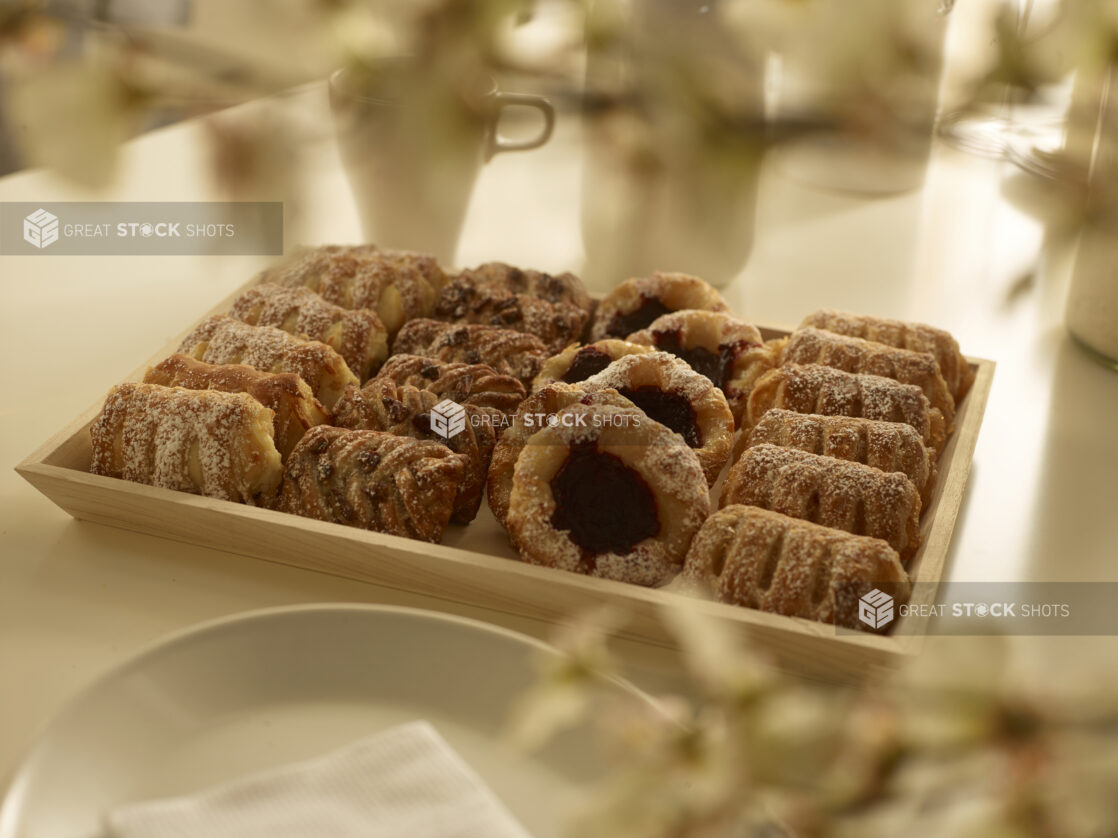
column 270, row 687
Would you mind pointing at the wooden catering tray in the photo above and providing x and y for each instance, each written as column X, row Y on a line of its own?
column 475, row 564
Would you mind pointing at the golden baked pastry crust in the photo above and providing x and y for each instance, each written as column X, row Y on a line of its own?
column 384, row 405
column 811, row 388
column 917, row 337
column 886, row 446
column 530, row 418
column 507, row 351
column 372, row 480
column 613, row 496
column 577, row 363
column 475, row 384
column 554, row 308
column 672, row 393
column 760, row 559
column 355, row 334
column 284, row 393
column 223, row 340
column 815, row 346
column 205, row 442
column 835, row 493
column 397, row 284
column 636, row 303
column 728, row 351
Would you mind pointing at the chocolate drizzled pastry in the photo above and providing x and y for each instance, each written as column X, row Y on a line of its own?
column 372, row 480
column 404, row 410
column 554, row 308
column 505, row 350
column 472, row 384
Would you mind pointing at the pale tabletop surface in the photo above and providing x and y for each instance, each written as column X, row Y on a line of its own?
column 76, row 598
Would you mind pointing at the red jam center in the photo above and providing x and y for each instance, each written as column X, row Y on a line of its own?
column 670, row 409
column 605, row 505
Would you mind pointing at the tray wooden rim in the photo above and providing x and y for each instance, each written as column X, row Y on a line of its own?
column 87, row 496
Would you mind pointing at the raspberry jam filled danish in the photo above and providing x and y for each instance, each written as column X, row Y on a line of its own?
column 578, row 363
column 728, row 351
column 673, row 394
column 607, row 493
column 636, row 303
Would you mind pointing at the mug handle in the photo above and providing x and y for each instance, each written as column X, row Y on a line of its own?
column 497, row 143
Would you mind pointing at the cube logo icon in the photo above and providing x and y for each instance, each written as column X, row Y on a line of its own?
column 40, row 228
column 448, row 419
column 875, row 609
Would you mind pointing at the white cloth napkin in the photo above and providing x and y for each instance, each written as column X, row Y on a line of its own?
column 406, row 782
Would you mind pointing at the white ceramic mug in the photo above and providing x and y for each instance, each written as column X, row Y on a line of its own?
column 413, row 146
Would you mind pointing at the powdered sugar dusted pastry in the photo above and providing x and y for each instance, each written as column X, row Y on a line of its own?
column 475, row 384
column 356, row 334
column 835, row 493
column 810, row 388
column 577, row 363
column 200, row 441
column 553, row 308
column 913, row 336
column 397, row 284
column 886, row 446
column 764, row 560
column 534, row 414
column 507, row 351
column 815, row 346
column 372, row 480
column 285, row 394
column 384, row 405
column 728, row 351
column 673, row 394
column 611, row 495
column 636, row 303
column 223, row 340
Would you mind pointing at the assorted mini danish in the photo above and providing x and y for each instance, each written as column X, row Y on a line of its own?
column 815, row 346
column 836, row 493
column 673, row 394
column 355, row 334
column 636, row 303
column 553, row 308
column 285, row 394
column 404, row 410
column 205, row 442
column 372, row 480
column 397, row 285
column 886, row 446
column 744, row 555
column 916, row 337
column 605, row 469
column 223, row 340
column 811, row 388
column 577, row 363
column 506, row 350
column 728, row 351
column 609, row 494
column 466, row 384
column 534, row 413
